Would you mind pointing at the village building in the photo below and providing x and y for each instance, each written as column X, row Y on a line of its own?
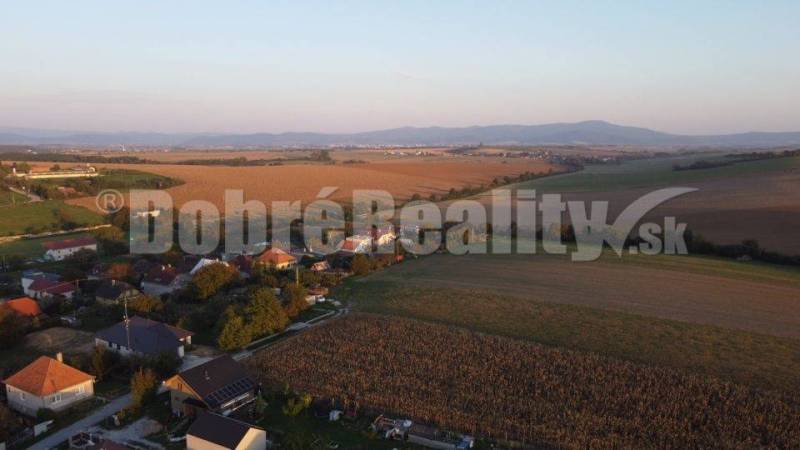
column 47, row 383
column 162, row 280
column 31, row 275
column 115, row 292
column 320, row 266
column 357, row 244
column 213, row 431
column 144, row 337
column 277, row 259
column 61, row 250
column 220, row 385
column 46, row 291
column 86, row 171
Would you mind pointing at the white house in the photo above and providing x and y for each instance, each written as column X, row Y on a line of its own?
column 144, row 337
column 213, row 431
column 47, row 383
column 162, row 280
column 61, row 250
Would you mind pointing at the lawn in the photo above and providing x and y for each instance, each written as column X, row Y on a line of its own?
column 33, row 247
column 39, row 217
column 652, row 172
column 509, row 304
column 8, row 198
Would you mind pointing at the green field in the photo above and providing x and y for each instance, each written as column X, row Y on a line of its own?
column 496, row 301
column 8, row 198
column 653, row 172
column 125, row 180
column 49, row 215
column 33, row 247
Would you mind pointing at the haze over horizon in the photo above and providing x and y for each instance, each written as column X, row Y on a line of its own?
column 242, row 68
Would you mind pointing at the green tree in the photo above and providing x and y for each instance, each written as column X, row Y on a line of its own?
column 265, row 313
column 102, row 362
column 144, row 385
column 211, row 279
column 361, row 264
column 295, row 297
column 233, row 331
column 8, row 422
column 146, row 304
column 12, row 328
column 84, row 259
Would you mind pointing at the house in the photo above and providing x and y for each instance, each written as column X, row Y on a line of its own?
column 115, row 292
column 205, row 262
column 320, row 266
column 45, row 291
column 47, row 383
column 220, row 385
column 277, row 259
column 162, row 280
column 357, row 244
column 31, row 275
column 144, row 337
column 61, row 250
column 213, row 431
column 23, row 306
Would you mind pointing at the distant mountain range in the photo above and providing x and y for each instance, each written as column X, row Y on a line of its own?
column 593, row 132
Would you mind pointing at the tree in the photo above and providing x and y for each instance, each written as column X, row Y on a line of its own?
column 295, row 300
column 265, row 313
column 12, row 328
column 8, row 422
column 112, row 240
column 143, row 387
column 102, row 362
column 84, row 259
column 146, row 304
column 119, row 271
column 233, row 331
column 361, row 264
column 211, row 279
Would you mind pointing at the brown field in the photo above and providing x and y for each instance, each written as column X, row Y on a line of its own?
column 513, row 390
column 303, row 182
column 723, row 293
column 58, row 339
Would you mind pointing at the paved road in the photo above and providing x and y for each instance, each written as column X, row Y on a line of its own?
column 31, row 197
column 94, row 418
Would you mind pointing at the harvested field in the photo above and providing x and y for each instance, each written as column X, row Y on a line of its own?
column 513, row 390
column 753, row 200
column 303, row 182
column 723, row 293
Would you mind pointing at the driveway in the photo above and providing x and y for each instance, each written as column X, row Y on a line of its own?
column 82, row 425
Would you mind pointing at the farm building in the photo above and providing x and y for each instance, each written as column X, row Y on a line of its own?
column 61, row 250
column 221, row 385
column 140, row 336
column 277, row 259
column 47, row 383
column 74, row 172
column 213, row 431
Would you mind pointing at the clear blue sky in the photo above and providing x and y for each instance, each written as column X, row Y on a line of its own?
column 690, row 67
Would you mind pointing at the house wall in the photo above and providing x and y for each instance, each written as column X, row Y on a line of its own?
column 255, row 439
column 125, row 351
column 195, row 443
column 63, row 253
column 156, row 290
column 178, row 392
column 29, row 404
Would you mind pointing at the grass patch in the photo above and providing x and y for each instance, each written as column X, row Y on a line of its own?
column 50, row 215
column 33, row 247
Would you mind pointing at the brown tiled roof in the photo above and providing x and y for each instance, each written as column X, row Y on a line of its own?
column 69, row 243
column 46, row 376
column 275, row 256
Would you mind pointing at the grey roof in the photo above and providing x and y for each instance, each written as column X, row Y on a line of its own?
column 218, row 381
column 220, row 430
column 112, row 289
column 146, row 336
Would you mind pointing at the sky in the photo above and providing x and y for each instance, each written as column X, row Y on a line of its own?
column 694, row 67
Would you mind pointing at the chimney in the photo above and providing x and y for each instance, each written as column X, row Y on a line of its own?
column 60, row 357
column 208, row 378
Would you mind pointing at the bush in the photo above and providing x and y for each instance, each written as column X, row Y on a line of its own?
column 144, row 386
